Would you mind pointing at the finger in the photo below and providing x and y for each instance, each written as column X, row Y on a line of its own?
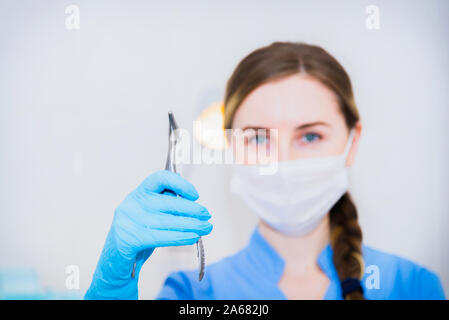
column 165, row 238
column 164, row 179
column 174, row 223
column 156, row 202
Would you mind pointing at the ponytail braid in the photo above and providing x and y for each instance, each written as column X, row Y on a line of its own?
column 346, row 242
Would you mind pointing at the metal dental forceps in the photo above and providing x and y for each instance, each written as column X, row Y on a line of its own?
column 170, row 165
column 173, row 137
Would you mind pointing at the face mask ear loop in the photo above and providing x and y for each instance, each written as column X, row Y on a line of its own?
column 349, row 143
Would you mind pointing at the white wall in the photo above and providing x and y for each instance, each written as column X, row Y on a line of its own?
column 83, row 120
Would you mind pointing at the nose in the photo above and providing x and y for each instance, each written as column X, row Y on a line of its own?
column 283, row 146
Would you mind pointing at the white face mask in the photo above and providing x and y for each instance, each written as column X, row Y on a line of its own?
column 298, row 195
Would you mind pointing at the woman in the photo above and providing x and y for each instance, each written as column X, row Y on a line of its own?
column 308, row 244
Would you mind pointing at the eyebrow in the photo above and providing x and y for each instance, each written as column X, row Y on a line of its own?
column 312, row 124
column 301, row 127
column 254, row 128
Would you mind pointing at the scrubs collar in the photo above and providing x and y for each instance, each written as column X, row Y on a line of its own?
column 271, row 265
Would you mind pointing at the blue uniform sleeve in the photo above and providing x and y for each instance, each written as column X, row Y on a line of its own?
column 176, row 287
column 429, row 286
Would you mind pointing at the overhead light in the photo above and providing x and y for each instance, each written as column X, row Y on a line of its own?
column 208, row 129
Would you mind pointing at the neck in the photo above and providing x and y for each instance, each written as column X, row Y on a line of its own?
column 299, row 252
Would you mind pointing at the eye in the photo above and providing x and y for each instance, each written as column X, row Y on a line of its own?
column 310, row 137
column 258, row 139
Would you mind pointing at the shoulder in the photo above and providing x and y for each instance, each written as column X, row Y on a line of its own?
column 185, row 285
column 390, row 276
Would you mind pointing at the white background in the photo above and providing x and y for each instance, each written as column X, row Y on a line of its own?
column 83, row 120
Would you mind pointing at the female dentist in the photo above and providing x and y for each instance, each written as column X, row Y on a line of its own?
column 308, row 243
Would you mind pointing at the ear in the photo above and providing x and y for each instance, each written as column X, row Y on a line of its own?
column 355, row 143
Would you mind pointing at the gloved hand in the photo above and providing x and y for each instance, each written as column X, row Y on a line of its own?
column 147, row 219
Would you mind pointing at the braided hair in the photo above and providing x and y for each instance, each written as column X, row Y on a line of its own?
column 346, row 242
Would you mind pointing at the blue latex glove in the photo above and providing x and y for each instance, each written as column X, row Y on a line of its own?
column 147, row 219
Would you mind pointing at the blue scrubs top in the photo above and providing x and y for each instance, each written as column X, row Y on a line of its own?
column 254, row 272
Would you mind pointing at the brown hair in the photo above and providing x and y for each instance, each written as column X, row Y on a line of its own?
column 282, row 59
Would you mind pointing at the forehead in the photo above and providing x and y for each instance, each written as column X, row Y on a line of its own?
column 290, row 101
